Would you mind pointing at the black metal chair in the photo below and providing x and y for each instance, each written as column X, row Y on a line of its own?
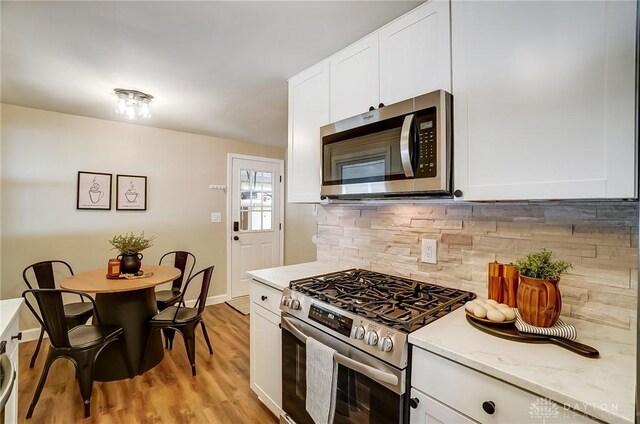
column 185, row 320
column 76, row 313
column 183, row 261
column 81, row 344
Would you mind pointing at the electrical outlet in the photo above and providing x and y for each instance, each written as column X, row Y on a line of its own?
column 429, row 252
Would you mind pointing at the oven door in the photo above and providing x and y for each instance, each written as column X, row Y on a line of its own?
column 368, row 390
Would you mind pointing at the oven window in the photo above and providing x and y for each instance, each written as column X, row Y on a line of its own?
column 359, row 400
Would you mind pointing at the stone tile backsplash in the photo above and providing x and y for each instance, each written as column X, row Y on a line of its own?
column 600, row 239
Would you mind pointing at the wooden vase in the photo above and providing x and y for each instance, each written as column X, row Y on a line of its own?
column 539, row 301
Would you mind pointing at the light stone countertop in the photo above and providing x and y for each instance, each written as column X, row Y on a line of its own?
column 603, row 387
column 280, row 277
column 8, row 312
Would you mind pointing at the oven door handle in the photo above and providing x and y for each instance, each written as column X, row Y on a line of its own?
column 366, row 370
column 8, row 379
column 405, row 145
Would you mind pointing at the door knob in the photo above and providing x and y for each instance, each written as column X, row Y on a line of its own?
column 236, row 238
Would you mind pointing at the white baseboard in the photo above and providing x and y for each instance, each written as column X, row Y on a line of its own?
column 211, row 300
column 33, row 333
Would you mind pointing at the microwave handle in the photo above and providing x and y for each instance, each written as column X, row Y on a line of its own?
column 366, row 370
column 405, row 145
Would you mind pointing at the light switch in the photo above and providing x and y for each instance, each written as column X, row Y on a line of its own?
column 216, row 217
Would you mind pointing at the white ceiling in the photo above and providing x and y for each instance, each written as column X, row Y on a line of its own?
column 214, row 68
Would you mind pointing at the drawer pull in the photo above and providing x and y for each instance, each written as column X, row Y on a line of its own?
column 263, row 297
column 413, row 402
column 17, row 336
column 489, row 407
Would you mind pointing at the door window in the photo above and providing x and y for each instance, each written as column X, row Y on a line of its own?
column 256, row 194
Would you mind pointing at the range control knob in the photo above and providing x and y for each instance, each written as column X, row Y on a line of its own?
column 286, row 300
column 294, row 304
column 371, row 338
column 357, row 332
column 385, row 344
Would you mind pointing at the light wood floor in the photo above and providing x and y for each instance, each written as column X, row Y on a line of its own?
column 168, row 393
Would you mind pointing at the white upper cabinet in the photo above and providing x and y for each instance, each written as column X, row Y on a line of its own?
column 308, row 111
column 354, row 79
column 415, row 53
column 544, row 99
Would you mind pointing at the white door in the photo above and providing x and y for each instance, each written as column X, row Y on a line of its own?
column 256, row 224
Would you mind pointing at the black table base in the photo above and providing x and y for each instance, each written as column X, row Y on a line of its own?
column 130, row 310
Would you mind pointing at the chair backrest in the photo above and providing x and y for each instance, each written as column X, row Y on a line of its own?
column 201, row 302
column 50, row 313
column 43, row 274
column 184, row 261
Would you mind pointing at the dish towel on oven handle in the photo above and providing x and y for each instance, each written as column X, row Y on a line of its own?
column 322, row 377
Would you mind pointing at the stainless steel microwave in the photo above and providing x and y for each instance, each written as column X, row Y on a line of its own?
column 403, row 149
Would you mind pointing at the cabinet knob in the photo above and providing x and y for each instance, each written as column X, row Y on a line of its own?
column 489, row 407
column 413, row 403
column 381, row 105
column 457, row 193
column 263, row 297
column 17, row 336
column 371, row 108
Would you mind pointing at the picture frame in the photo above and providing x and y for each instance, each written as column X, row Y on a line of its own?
column 131, row 192
column 93, row 191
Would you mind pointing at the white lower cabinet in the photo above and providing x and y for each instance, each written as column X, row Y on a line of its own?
column 429, row 411
column 266, row 345
column 447, row 392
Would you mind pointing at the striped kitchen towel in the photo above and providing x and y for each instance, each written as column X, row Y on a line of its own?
column 559, row 329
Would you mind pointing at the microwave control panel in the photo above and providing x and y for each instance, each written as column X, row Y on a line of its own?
column 427, row 150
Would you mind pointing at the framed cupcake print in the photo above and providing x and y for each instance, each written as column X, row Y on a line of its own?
column 131, row 193
column 94, row 191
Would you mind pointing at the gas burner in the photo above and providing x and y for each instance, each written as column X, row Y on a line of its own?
column 397, row 302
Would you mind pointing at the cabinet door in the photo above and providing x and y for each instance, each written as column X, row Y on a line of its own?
column 415, row 53
column 544, row 99
column 266, row 357
column 430, row 411
column 354, row 79
column 308, row 111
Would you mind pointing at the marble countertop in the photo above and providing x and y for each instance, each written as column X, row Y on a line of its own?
column 8, row 312
column 602, row 387
column 280, row 277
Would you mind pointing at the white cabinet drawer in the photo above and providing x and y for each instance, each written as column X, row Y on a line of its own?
column 265, row 296
column 12, row 330
column 481, row 397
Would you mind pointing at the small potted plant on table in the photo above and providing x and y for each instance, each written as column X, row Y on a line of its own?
column 539, row 299
column 130, row 245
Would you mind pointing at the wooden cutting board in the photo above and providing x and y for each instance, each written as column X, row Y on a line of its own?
column 510, row 332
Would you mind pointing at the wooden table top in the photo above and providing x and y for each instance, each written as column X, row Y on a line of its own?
column 97, row 281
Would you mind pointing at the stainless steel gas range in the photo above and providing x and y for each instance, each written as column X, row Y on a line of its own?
column 366, row 317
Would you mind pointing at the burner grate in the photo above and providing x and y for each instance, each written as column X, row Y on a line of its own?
column 398, row 302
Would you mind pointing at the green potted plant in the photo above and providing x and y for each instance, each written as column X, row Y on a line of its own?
column 539, row 299
column 129, row 246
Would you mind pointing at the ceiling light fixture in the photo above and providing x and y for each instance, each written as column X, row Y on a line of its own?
column 133, row 104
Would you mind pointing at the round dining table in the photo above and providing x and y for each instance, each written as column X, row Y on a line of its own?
column 126, row 303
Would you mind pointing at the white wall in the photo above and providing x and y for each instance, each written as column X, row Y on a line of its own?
column 41, row 155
